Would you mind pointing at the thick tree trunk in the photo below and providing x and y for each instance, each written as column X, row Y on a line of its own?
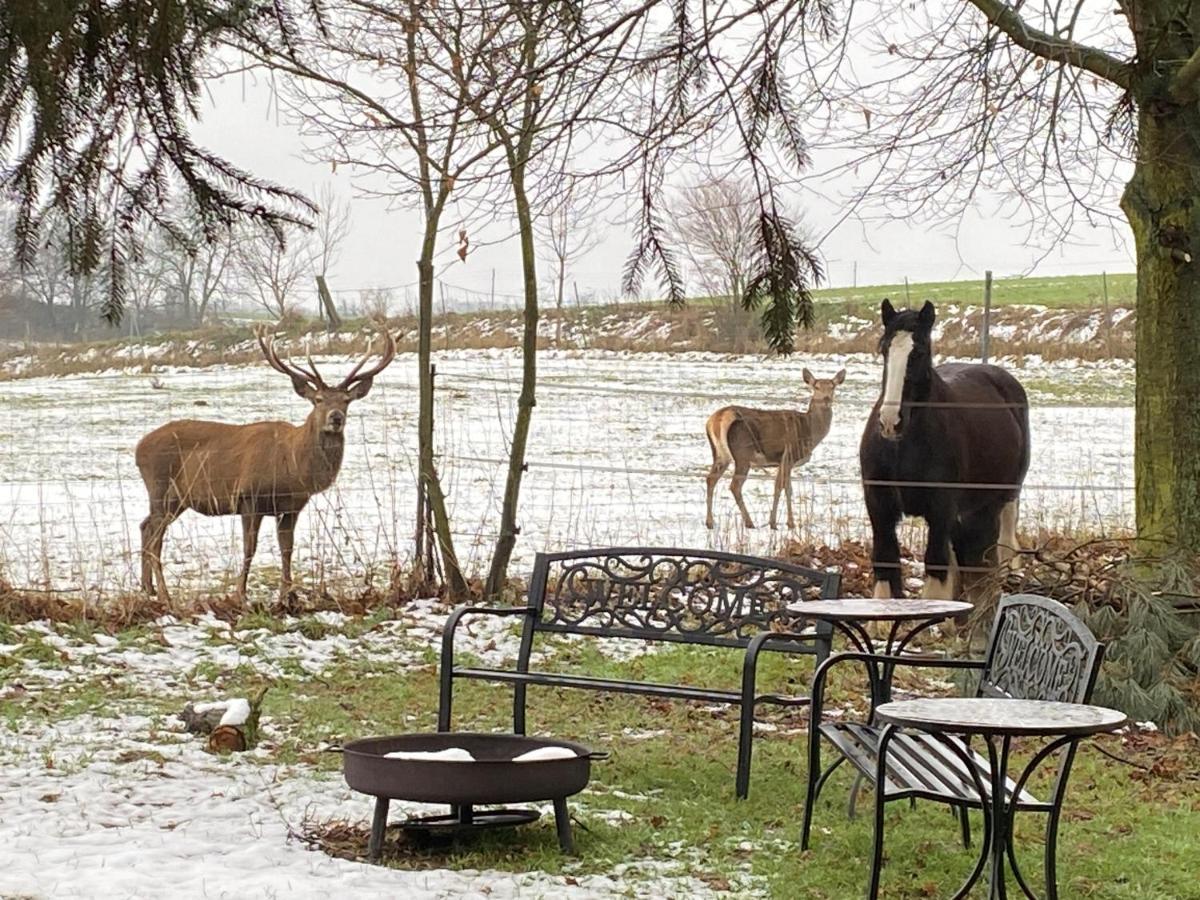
column 456, row 584
column 1161, row 204
column 507, row 540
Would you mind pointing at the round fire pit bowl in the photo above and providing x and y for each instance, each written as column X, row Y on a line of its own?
column 491, row 777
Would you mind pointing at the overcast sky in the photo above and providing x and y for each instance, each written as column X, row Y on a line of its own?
column 240, row 121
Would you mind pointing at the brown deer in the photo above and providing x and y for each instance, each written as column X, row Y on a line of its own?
column 252, row 471
column 779, row 438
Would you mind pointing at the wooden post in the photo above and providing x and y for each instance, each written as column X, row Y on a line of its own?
column 1107, row 316
column 907, row 295
column 328, row 311
column 987, row 313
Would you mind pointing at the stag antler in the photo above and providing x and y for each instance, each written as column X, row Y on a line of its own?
column 289, row 369
column 389, row 351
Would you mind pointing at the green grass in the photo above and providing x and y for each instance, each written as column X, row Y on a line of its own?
column 1122, row 836
column 1058, row 292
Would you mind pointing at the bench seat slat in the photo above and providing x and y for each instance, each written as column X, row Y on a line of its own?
column 919, row 764
column 684, row 692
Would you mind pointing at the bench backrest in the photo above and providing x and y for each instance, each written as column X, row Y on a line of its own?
column 1039, row 650
column 688, row 596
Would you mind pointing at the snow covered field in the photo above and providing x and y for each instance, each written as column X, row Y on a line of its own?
column 125, row 804
column 117, row 800
column 617, row 455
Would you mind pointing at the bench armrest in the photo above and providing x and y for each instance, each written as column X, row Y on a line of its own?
column 931, row 662
column 461, row 612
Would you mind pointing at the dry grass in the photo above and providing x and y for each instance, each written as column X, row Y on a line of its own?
column 841, row 328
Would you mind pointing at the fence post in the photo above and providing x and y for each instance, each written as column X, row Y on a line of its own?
column 987, row 313
column 1107, row 316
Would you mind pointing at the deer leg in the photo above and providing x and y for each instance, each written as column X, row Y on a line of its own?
column 154, row 533
column 740, row 471
column 714, row 476
column 285, row 527
column 787, row 486
column 250, row 525
column 779, row 476
column 149, row 524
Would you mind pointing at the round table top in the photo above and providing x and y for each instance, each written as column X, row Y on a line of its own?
column 856, row 608
column 997, row 715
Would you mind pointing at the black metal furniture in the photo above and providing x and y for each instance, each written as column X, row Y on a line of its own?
column 494, row 776
column 650, row 594
column 1038, row 650
column 998, row 721
column 907, row 620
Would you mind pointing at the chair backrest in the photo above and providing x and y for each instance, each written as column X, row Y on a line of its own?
column 688, row 596
column 1039, row 650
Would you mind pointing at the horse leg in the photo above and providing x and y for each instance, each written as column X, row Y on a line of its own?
column 884, row 513
column 939, row 557
column 741, row 468
column 714, row 476
column 1007, row 548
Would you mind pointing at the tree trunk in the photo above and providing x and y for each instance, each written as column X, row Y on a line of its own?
column 507, row 540
column 558, row 299
column 456, row 584
column 1160, row 202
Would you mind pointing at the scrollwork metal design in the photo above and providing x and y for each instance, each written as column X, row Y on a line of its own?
column 1038, row 655
column 675, row 597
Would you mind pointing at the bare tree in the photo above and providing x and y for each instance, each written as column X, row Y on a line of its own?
column 569, row 232
column 713, row 220
column 271, row 270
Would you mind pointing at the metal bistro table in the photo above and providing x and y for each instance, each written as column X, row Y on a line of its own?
column 998, row 721
column 908, row 619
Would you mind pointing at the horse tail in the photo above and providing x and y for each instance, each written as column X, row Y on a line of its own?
column 717, row 428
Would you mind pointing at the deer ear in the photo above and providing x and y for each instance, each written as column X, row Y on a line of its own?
column 839, row 377
column 360, row 388
column 927, row 314
column 304, row 389
column 808, row 378
column 887, row 312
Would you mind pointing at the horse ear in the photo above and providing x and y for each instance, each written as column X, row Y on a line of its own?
column 927, row 314
column 839, row 377
column 808, row 378
column 887, row 311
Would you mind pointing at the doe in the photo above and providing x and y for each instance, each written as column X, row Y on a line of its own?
column 255, row 470
column 779, row 438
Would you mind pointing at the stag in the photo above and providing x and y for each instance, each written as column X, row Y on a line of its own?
column 780, row 438
column 255, row 470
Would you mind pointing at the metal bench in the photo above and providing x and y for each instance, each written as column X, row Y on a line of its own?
column 650, row 594
column 1038, row 650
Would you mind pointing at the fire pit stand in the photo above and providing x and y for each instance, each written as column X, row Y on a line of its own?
column 466, row 819
column 492, row 778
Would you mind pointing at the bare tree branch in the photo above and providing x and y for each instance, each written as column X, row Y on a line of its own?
column 1052, row 47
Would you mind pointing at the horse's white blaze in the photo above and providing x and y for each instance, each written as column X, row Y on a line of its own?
column 893, row 382
column 883, row 591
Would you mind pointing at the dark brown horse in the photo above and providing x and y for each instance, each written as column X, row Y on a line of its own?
column 949, row 444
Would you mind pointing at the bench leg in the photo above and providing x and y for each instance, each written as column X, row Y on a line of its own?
column 519, row 708
column 445, row 699
column 745, row 748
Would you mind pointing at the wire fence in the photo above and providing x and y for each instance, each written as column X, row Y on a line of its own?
column 617, row 455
